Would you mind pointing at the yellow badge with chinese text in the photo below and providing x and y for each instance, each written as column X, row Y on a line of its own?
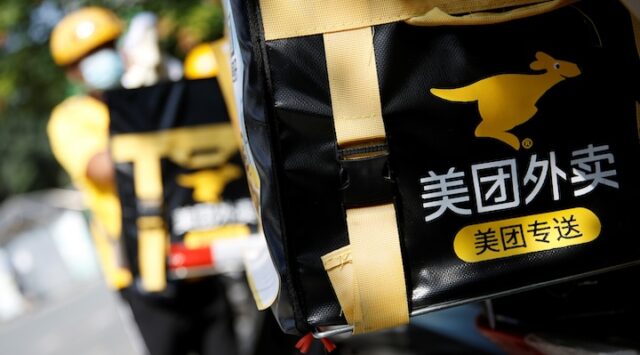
column 528, row 234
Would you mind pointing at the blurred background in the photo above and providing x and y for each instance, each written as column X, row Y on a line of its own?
column 53, row 299
column 31, row 84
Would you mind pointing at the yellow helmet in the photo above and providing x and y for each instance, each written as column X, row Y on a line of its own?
column 200, row 62
column 82, row 31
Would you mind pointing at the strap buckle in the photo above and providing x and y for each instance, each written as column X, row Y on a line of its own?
column 365, row 176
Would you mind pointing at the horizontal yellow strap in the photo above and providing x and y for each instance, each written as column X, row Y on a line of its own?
column 202, row 238
column 293, row 18
column 353, row 84
column 438, row 17
column 150, row 222
column 194, row 147
column 460, row 7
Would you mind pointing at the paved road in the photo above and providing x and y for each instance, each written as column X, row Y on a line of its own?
column 94, row 322
column 91, row 322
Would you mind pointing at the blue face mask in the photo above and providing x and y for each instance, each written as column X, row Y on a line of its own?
column 102, row 70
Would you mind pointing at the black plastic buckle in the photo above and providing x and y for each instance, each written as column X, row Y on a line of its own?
column 365, row 176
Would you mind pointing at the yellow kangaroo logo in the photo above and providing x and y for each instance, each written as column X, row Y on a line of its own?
column 208, row 184
column 509, row 100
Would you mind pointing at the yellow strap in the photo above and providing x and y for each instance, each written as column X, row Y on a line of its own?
column 293, row 18
column 202, row 238
column 353, row 79
column 339, row 267
column 193, row 147
column 438, row 17
column 152, row 246
column 221, row 48
column 109, row 251
column 372, row 292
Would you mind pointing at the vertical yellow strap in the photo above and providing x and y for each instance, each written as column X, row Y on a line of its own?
column 353, row 81
column 221, row 50
column 148, row 189
column 377, row 288
column 377, row 263
column 152, row 245
column 152, row 238
column 109, row 252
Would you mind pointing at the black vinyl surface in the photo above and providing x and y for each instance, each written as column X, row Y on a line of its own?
column 590, row 113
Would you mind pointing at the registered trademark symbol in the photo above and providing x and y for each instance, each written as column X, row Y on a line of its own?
column 527, row 143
